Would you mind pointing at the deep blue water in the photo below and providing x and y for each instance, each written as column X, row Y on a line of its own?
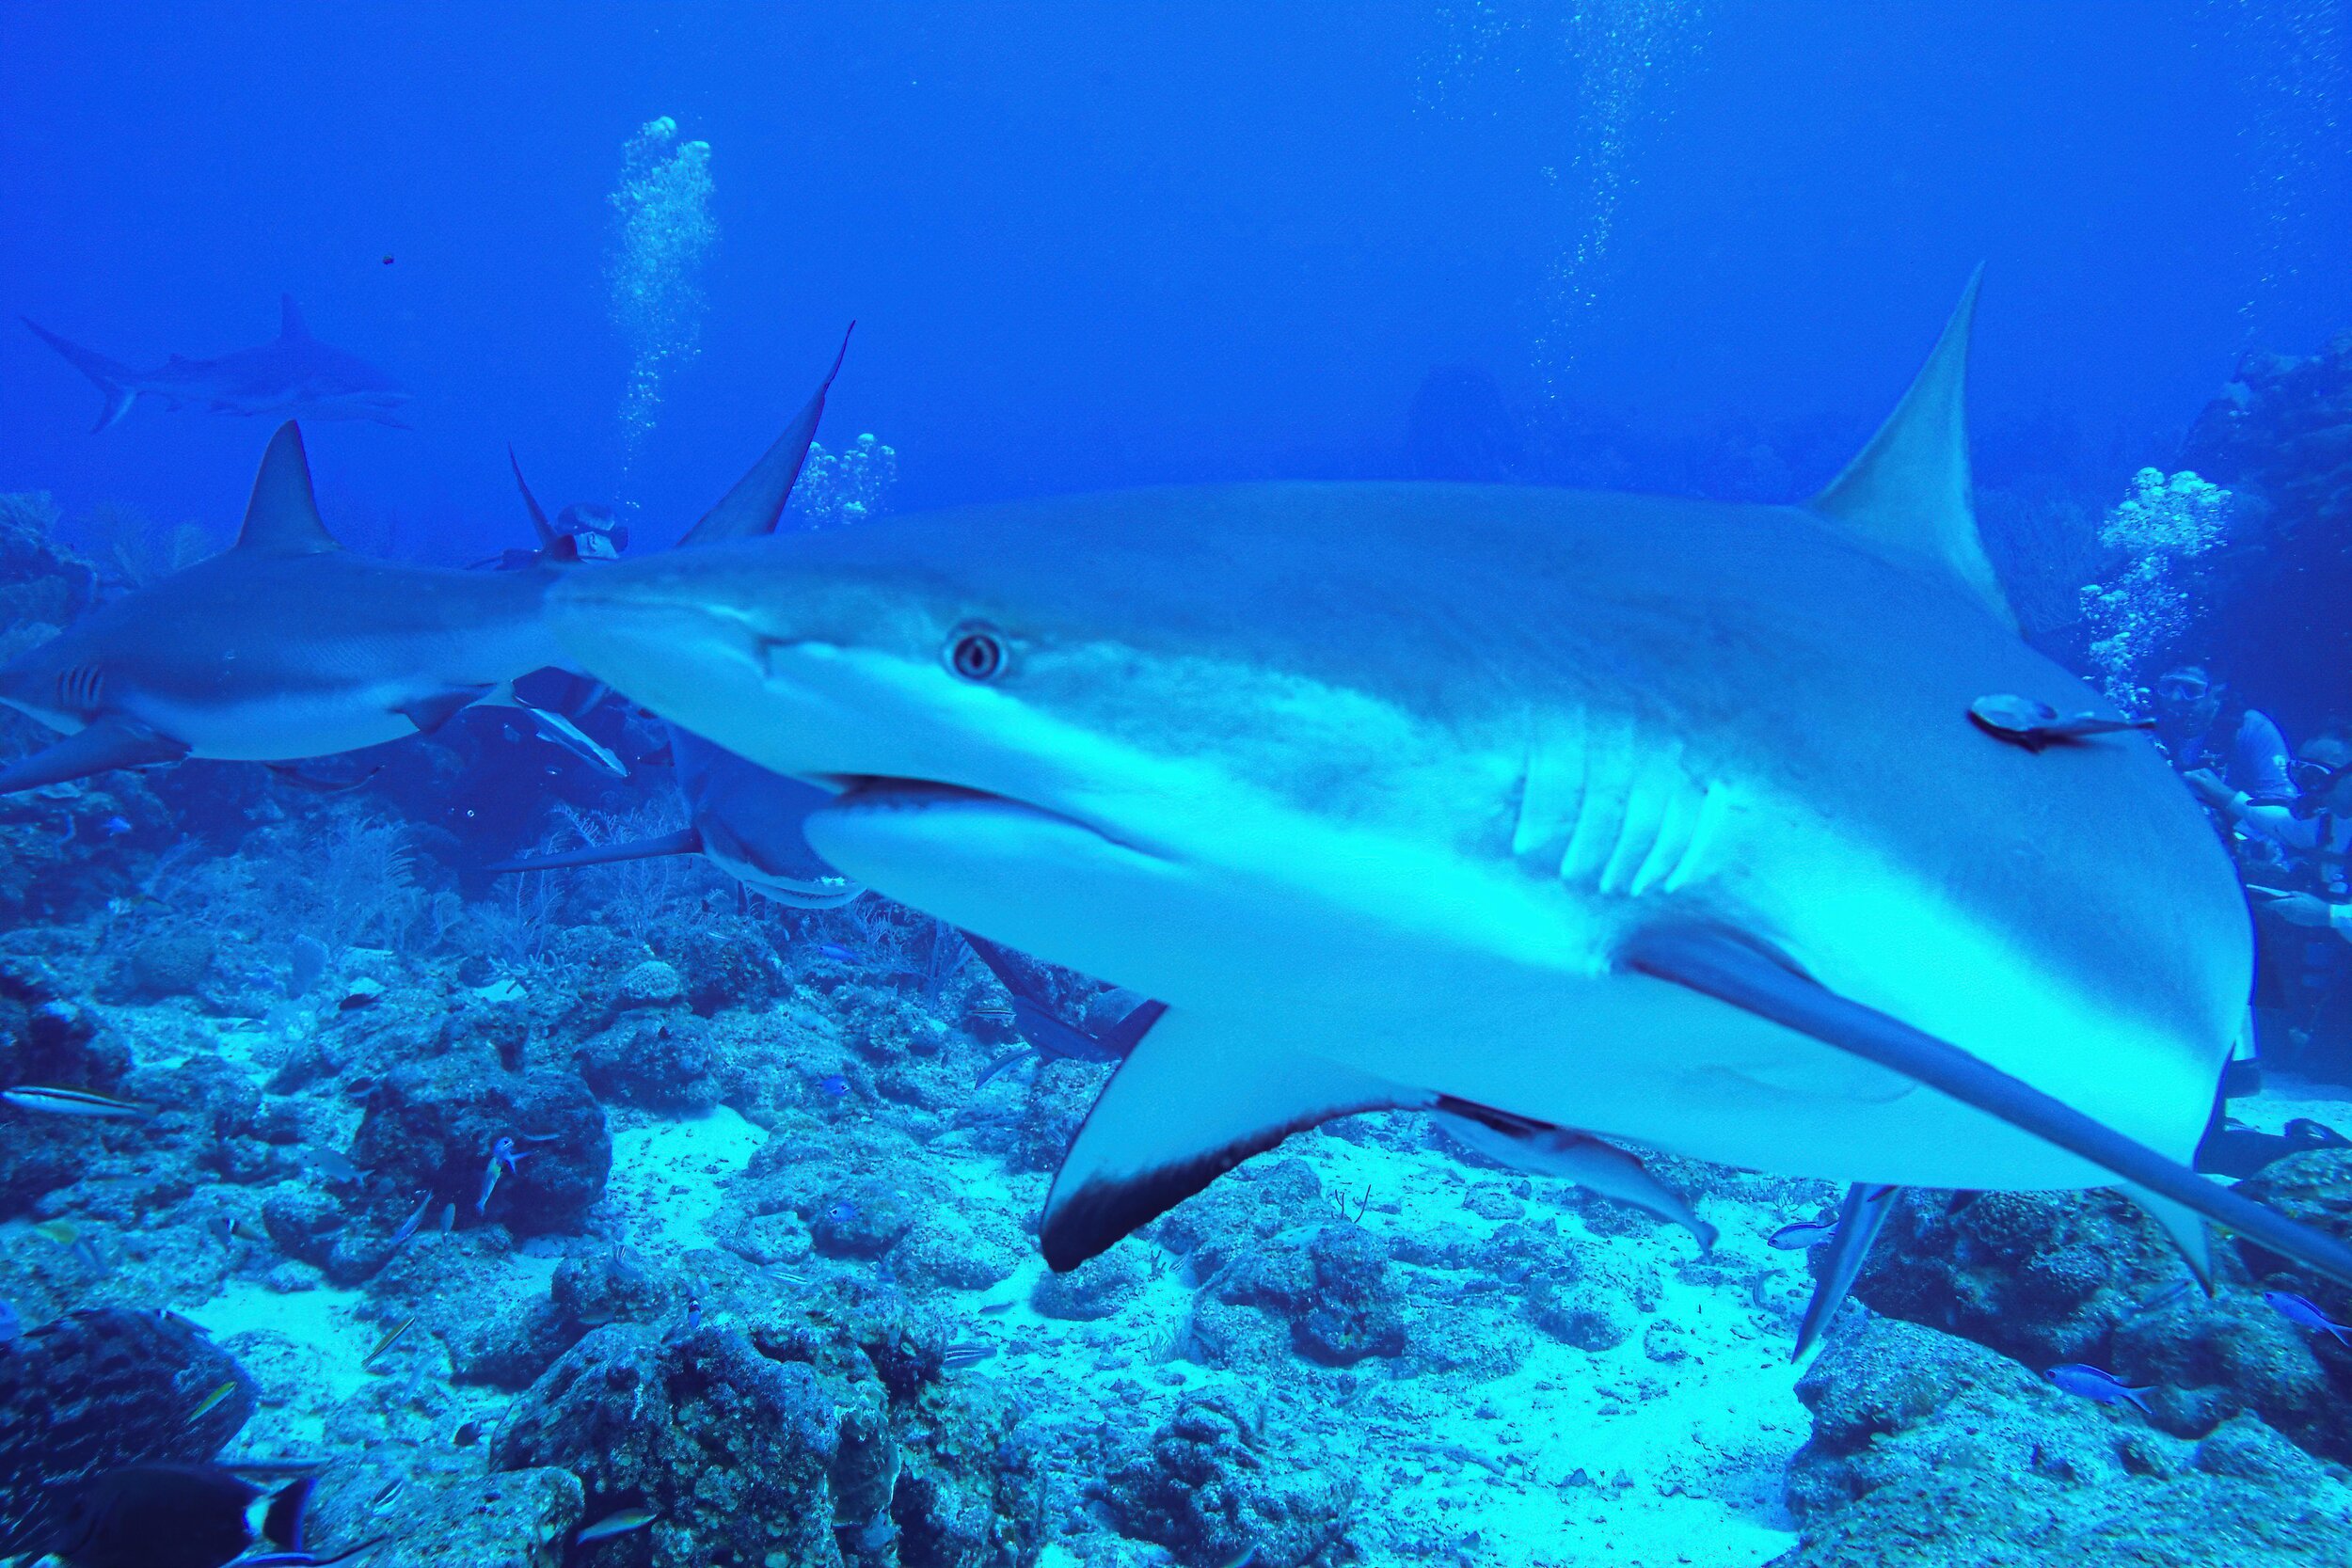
column 1097, row 246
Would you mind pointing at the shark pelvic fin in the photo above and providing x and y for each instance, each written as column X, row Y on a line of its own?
column 686, row 841
column 290, row 326
column 1859, row 1219
column 282, row 516
column 1910, row 489
column 430, row 713
column 2183, row 1227
column 111, row 741
column 1195, row 1099
column 756, row 504
column 1715, row 963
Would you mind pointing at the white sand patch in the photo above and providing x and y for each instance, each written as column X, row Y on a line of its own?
column 668, row 1178
column 2285, row 1097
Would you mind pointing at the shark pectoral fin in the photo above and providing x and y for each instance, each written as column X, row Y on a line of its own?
column 1715, row 963
column 112, row 741
column 686, row 841
column 2183, row 1227
column 1859, row 1219
column 1121, row 1038
column 1910, row 488
column 1196, row 1098
column 281, row 518
column 1540, row 1148
column 430, row 713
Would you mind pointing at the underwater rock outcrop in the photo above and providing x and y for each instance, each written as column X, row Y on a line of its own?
column 432, row 1125
column 94, row 1390
column 1930, row 1452
column 784, row 1441
column 1212, row 1487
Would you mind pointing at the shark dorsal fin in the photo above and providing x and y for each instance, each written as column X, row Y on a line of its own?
column 290, row 319
column 756, row 504
column 282, row 519
column 1909, row 490
column 539, row 524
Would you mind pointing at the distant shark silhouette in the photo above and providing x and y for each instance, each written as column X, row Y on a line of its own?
column 284, row 648
column 294, row 375
column 1656, row 819
column 742, row 818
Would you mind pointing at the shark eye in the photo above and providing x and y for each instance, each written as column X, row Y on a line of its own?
column 976, row 654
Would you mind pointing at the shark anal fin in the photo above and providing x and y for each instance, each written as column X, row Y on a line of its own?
column 686, row 841
column 1718, row 965
column 430, row 713
column 1910, row 489
column 112, row 741
column 1195, row 1098
column 283, row 515
column 1540, row 1148
column 1860, row 1218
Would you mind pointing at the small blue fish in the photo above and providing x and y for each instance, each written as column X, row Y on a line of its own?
column 2104, row 1386
column 616, row 1523
column 2296, row 1311
column 117, row 826
column 837, row 953
column 503, row 1151
column 833, row 1086
column 1803, row 1235
column 841, row 1213
column 408, row 1227
column 489, row 1185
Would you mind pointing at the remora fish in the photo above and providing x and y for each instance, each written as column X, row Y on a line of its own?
column 283, row 647
column 292, row 375
column 742, row 818
column 1655, row 820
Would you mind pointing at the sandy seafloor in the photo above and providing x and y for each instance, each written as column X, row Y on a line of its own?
column 1668, row 1449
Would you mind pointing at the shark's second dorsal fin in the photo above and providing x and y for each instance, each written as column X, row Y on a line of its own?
column 282, row 519
column 290, row 319
column 1910, row 489
column 756, row 504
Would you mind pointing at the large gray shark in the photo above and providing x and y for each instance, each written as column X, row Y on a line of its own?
column 294, row 375
column 742, row 819
column 1658, row 819
column 285, row 646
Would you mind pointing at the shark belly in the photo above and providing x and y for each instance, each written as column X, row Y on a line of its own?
column 1445, row 976
column 282, row 726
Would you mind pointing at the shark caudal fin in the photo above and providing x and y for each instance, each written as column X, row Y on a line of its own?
column 113, row 379
column 1717, row 964
column 549, row 541
column 1909, row 491
column 756, row 504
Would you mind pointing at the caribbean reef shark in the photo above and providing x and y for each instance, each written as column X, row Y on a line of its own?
column 742, row 818
column 1661, row 820
column 294, row 375
column 283, row 647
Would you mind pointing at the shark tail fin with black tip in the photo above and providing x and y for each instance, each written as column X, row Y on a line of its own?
column 1909, row 492
column 756, row 504
column 1859, row 1219
column 686, row 841
column 112, row 378
column 1194, row 1100
column 1716, row 963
